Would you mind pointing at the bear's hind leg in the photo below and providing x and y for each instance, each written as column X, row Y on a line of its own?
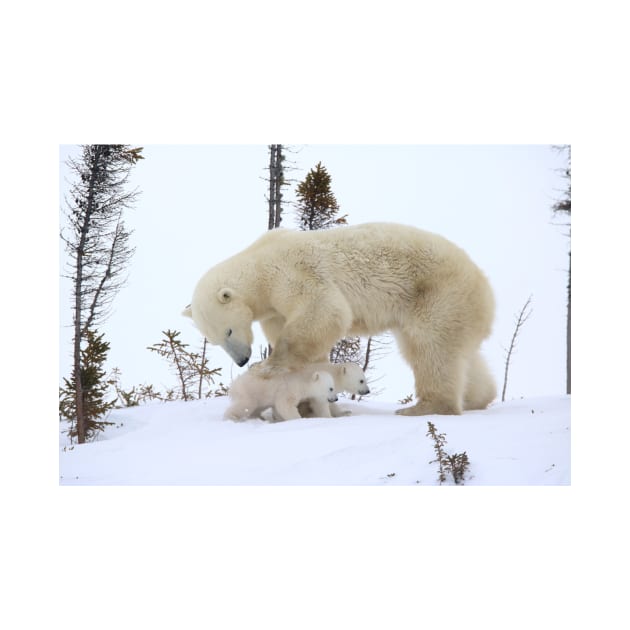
column 236, row 412
column 440, row 376
column 481, row 388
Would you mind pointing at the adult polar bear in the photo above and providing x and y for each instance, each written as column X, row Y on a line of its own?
column 310, row 289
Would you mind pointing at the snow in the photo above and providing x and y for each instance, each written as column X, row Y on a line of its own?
column 520, row 442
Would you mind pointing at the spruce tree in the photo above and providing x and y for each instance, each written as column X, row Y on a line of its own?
column 98, row 245
column 94, row 387
column 316, row 205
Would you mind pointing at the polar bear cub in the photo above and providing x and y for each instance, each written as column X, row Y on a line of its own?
column 348, row 377
column 258, row 389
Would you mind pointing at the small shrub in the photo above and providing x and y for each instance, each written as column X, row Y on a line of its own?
column 195, row 378
column 456, row 465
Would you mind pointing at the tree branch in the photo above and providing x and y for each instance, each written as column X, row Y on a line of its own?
column 522, row 318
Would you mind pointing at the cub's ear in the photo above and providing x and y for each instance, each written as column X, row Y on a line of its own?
column 187, row 312
column 316, row 376
column 225, row 295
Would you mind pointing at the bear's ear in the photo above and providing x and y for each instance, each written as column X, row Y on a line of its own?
column 316, row 376
column 187, row 312
column 224, row 295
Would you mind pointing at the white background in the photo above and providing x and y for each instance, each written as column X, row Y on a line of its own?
column 474, row 73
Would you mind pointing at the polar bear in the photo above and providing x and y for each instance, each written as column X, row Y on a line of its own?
column 348, row 377
column 259, row 388
column 310, row 289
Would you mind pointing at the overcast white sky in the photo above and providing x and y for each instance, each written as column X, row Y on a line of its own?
column 200, row 204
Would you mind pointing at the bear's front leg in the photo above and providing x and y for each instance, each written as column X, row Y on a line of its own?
column 310, row 333
column 285, row 408
column 295, row 350
column 320, row 408
column 337, row 412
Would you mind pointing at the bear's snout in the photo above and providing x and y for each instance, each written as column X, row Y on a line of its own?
column 239, row 351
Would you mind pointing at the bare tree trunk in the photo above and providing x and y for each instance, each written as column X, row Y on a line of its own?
column 367, row 353
column 564, row 206
column 203, row 362
column 278, row 184
column 78, row 289
column 275, row 185
column 79, row 391
column 272, row 188
column 179, row 367
column 80, row 419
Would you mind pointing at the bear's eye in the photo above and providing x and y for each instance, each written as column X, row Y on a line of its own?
column 228, row 332
column 361, row 382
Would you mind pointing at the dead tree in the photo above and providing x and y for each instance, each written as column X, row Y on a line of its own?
column 522, row 318
column 563, row 206
column 276, row 181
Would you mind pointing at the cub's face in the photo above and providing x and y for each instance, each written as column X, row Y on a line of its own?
column 324, row 385
column 354, row 380
column 226, row 321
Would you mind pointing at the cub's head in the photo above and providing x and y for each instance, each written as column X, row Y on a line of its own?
column 225, row 320
column 323, row 384
column 353, row 379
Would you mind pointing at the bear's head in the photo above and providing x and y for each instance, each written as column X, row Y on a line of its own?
column 322, row 384
column 353, row 379
column 225, row 320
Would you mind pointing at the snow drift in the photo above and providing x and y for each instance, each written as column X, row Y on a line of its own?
column 521, row 442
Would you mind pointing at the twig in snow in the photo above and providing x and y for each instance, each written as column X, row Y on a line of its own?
column 522, row 318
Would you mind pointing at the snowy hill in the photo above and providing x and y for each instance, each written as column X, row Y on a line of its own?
column 522, row 442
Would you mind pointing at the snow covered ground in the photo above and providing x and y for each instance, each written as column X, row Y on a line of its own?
column 521, row 442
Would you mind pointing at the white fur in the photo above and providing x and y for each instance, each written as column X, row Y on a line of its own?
column 258, row 389
column 349, row 377
column 310, row 289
